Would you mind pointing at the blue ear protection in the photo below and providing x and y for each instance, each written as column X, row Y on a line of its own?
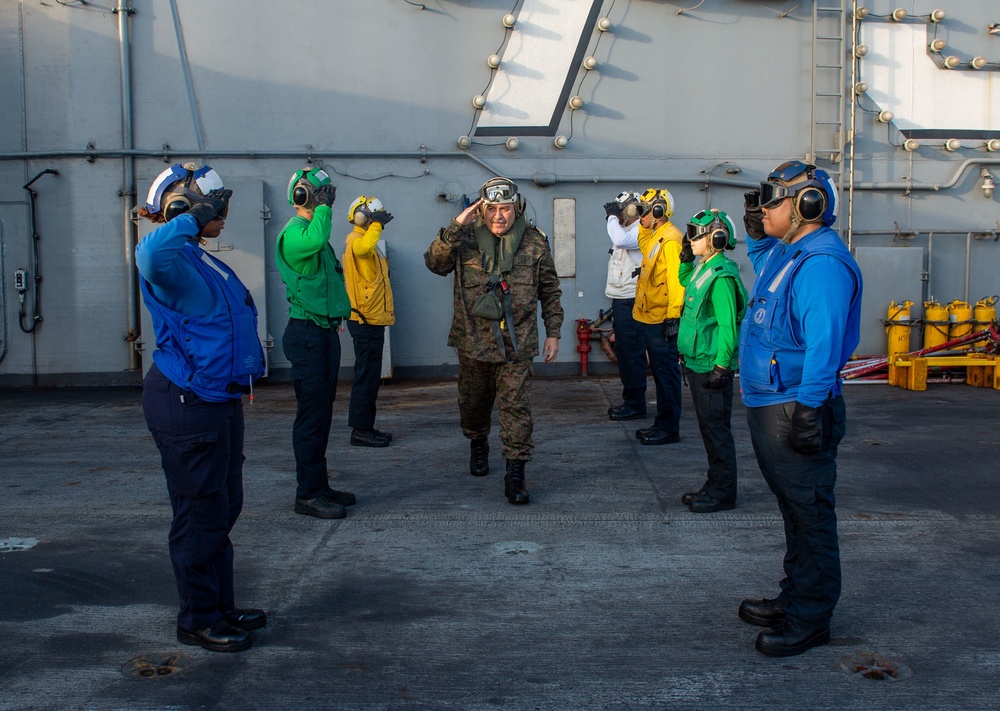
column 815, row 199
column 303, row 183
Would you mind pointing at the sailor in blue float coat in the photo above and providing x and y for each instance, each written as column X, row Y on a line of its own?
column 802, row 324
column 204, row 317
column 207, row 356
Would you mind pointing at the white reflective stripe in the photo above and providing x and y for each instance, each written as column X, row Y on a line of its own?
column 781, row 275
column 654, row 252
column 208, row 261
column 702, row 278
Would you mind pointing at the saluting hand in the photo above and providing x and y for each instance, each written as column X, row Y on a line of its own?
column 468, row 215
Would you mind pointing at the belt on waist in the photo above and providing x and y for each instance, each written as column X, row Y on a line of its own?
column 334, row 322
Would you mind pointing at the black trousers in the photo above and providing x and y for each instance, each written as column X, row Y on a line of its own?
column 803, row 485
column 663, row 361
column 314, row 352
column 368, row 343
column 630, row 349
column 714, row 409
column 201, row 449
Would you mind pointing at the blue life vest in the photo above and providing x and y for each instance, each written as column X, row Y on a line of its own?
column 217, row 355
column 771, row 357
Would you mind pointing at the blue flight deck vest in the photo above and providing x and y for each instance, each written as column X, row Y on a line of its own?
column 217, row 355
column 771, row 358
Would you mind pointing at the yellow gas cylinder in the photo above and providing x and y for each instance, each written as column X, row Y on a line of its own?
column 985, row 312
column 897, row 328
column 935, row 324
column 959, row 320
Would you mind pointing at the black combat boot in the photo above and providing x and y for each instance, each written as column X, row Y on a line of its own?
column 479, row 462
column 513, row 483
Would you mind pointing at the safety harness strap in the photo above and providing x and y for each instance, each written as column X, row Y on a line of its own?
column 508, row 318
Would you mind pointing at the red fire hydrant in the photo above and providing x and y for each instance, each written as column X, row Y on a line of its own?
column 583, row 335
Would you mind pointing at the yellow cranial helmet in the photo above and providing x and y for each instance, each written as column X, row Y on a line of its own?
column 659, row 201
column 360, row 211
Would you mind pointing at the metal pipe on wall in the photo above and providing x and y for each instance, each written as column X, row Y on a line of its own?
column 128, row 192
column 540, row 179
column 928, row 272
column 854, row 123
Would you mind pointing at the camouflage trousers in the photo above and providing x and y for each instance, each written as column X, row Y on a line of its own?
column 480, row 384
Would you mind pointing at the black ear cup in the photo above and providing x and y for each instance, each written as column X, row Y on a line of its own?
column 659, row 211
column 301, row 196
column 811, row 204
column 720, row 239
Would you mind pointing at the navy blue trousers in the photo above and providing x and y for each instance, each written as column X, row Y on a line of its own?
column 803, row 485
column 630, row 349
column 663, row 361
column 314, row 353
column 368, row 343
column 714, row 409
column 201, row 448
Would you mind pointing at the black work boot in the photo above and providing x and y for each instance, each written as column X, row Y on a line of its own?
column 479, row 462
column 513, row 483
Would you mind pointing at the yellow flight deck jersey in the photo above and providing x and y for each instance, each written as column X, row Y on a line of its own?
column 366, row 276
column 658, row 293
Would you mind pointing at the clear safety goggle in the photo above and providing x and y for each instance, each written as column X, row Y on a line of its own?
column 498, row 193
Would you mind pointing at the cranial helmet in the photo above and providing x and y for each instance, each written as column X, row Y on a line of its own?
column 813, row 192
column 631, row 205
column 177, row 188
column 501, row 191
column 660, row 202
column 303, row 183
column 360, row 211
column 714, row 224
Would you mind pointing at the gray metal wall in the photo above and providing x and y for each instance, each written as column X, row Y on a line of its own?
column 704, row 102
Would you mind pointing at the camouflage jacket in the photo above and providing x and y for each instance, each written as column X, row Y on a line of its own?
column 532, row 280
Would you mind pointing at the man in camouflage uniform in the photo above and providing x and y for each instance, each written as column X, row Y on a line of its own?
column 503, row 269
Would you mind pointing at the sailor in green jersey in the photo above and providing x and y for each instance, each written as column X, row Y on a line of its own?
column 317, row 304
column 714, row 304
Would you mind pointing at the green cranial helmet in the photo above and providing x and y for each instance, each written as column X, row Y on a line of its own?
column 714, row 224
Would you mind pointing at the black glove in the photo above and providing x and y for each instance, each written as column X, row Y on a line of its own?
column 687, row 254
column 806, row 434
column 718, row 378
column 671, row 327
column 753, row 215
column 209, row 207
column 382, row 217
column 325, row 195
column 613, row 209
